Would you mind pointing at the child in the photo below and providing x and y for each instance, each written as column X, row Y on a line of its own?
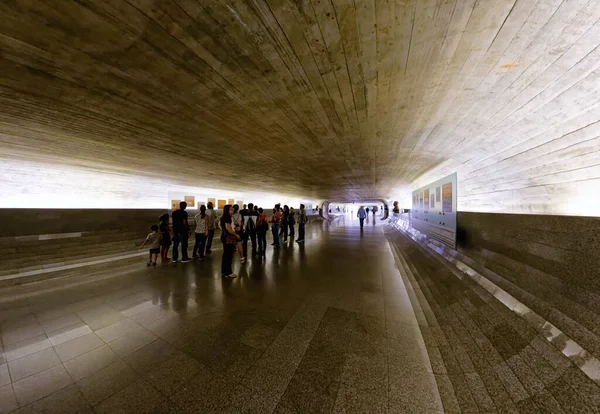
column 154, row 240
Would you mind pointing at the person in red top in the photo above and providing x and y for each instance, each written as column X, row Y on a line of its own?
column 262, row 226
column 276, row 220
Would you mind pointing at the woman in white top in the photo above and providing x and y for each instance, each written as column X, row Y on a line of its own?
column 201, row 233
column 237, row 222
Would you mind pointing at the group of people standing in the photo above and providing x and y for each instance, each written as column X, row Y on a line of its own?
column 237, row 226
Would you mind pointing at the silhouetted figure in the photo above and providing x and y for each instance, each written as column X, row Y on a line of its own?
column 292, row 222
column 229, row 238
column 249, row 218
column 276, row 219
column 165, row 238
column 181, row 233
column 201, row 233
column 362, row 214
column 212, row 219
column 262, row 226
column 301, row 223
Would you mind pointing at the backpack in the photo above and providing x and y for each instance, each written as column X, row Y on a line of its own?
column 251, row 225
column 262, row 222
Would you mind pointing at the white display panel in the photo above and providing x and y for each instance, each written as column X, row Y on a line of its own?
column 434, row 210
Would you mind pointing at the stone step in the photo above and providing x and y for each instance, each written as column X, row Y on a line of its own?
column 519, row 356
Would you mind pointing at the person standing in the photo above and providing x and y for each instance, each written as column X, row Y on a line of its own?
column 212, row 219
column 301, row 224
column 165, row 238
column 249, row 217
column 276, row 219
column 229, row 238
column 262, row 226
column 292, row 222
column 361, row 215
column 201, row 233
column 236, row 221
column 367, row 210
column 181, row 233
column 283, row 229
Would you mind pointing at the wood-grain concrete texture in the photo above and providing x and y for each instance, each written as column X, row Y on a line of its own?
column 351, row 99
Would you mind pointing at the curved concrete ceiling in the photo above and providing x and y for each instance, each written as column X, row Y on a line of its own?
column 336, row 99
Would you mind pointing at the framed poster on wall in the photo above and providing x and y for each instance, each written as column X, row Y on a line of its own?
column 175, row 204
column 230, row 201
column 213, row 201
column 435, row 213
column 221, row 204
column 200, row 204
column 190, row 200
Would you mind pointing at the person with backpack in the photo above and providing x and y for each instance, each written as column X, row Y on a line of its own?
column 301, row 223
column 262, row 227
column 249, row 217
column 276, row 220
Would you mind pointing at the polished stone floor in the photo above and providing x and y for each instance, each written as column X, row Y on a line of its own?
column 327, row 326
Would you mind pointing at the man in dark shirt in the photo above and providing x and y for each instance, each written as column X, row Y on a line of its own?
column 249, row 216
column 181, row 233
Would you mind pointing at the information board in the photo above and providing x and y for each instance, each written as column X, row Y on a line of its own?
column 434, row 210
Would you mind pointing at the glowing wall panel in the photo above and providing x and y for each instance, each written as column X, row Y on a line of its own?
column 434, row 210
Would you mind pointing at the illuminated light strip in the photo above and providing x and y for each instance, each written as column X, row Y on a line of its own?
column 589, row 364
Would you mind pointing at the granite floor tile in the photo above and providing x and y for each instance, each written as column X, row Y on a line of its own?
column 568, row 399
column 32, row 364
column 117, row 330
column 527, row 405
column 26, row 347
column 245, row 399
column 463, row 393
column 78, row 346
column 8, row 401
column 106, row 382
column 587, row 389
column 60, row 322
column 171, row 375
column 138, row 397
column 511, row 383
column 41, row 384
column 310, row 392
column 19, row 334
column 420, row 389
column 530, row 381
column 86, row 364
column 205, row 393
column 64, row 334
column 131, row 342
column 546, row 403
column 67, row 400
column 447, row 394
column 354, row 400
column 4, row 375
column 259, row 336
column 148, row 357
column 479, row 392
column 436, row 360
column 409, row 359
column 100, row 316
